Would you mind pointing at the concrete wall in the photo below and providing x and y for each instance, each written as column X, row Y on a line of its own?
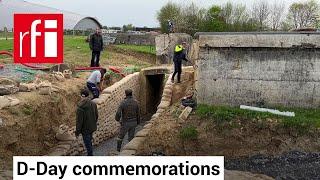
column 259, row 69
column 134, row 39
column 108, row 104
column 165, row 44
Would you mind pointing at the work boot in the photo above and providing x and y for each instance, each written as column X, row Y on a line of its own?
column 119, row 143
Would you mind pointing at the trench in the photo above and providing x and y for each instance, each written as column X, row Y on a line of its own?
column 150, row 97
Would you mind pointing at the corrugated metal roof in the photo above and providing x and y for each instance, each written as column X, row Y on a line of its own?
column 9, row 7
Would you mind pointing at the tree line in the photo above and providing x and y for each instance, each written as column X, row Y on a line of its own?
column 234, row 17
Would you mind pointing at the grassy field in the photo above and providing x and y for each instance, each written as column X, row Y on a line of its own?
column 6, row 45
column 77, row 52
column 304, row 120
column 142, row 48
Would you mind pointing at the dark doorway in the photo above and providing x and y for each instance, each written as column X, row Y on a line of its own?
column 154, row 91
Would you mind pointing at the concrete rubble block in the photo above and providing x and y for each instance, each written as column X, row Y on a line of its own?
column 143, row 133
column 6, row 81
column 164, row 104
column 127, row 153
column 134, row 144
column 13, row 101
column 6, row 101
column 8, row 89
column 185, row 113
column 24, row 87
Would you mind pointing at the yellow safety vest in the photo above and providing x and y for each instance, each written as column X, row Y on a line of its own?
column 178, row 48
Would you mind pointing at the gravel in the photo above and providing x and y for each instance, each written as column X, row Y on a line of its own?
column 288, row 166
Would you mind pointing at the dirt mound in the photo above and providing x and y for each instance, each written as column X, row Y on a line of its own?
column 249, row 146
column 30, row 127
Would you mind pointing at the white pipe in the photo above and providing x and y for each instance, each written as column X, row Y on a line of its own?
column 273, row 111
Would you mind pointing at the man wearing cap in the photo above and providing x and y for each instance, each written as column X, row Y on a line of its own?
column 179, row 55
column 128, row 114
column 87, row 117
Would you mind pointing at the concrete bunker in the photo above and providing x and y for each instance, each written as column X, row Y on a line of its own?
column 151, row 85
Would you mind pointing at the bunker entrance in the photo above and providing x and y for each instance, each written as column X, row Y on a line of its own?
column 155, row 88
column 151, row 94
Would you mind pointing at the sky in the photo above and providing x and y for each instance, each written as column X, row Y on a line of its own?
column 119, row 12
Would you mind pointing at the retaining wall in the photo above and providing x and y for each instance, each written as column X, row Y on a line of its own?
column 134, row 39
column 107, row 103
column 258, row 69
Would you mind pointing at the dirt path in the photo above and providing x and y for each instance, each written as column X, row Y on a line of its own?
column 108, row 147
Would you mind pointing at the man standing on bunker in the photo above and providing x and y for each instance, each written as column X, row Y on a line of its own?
column 179, row 55
column 128, row 114
column 96, row 46
column 94, row 82
column 87, row 117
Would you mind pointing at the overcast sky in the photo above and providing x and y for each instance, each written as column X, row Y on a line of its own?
column 119, row 12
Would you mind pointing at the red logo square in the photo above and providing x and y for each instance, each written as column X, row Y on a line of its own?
column 38, row 38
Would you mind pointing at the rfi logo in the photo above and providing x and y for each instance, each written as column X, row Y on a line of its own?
column 38, row 38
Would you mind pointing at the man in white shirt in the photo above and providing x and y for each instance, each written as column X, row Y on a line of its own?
column 94, row 82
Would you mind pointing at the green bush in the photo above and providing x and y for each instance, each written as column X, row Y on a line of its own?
column 189, row 133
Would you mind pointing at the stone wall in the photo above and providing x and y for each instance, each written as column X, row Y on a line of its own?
column 259, row 69
column 107, row 103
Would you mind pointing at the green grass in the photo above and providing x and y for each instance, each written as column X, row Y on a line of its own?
column 142, row 49
column 189, row 133
column 6, row 45
column 304, row 120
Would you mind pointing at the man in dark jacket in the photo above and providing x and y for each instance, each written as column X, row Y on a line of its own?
column 128, row 115
column 87, row 117
column 96, row 46
column 179, row 55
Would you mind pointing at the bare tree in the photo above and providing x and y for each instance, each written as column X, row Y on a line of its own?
column 260, row 13
column 303, row 15
column 277, row 14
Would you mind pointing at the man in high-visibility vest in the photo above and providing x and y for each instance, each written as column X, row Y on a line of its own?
column 179, row 55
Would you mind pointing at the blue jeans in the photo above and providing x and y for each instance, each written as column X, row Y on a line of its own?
column 94, row 89
column 87, row 139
